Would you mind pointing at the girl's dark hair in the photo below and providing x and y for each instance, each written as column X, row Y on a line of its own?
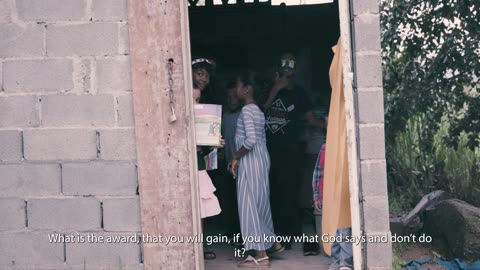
column 258, row 82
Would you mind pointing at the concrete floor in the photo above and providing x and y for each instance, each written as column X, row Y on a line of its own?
column 288, row 260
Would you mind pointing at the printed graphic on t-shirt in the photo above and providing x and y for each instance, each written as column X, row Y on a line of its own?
column 277, row 117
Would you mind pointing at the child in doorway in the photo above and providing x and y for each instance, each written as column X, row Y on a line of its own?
column 341, row 252
column 317, row 186
column 317, row 181
column 202, row 69
column 209, row 205
column 253, row 187
column 228, row 199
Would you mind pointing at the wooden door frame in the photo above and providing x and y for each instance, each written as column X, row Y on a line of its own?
column 159, row 32
column 351, row 117
column 167, row 163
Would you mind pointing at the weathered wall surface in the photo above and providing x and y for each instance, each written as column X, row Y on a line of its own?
column 67, row 144
column 369, row 95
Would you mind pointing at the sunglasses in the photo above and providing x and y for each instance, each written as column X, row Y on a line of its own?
column 287, row 64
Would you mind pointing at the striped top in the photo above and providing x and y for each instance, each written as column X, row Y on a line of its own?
column 252, row 126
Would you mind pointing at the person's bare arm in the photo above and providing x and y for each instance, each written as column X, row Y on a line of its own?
column 280, row 83
column 271, row 97
column 314, row 121
column 240, row 153
column 248, row 144
column 232, row 166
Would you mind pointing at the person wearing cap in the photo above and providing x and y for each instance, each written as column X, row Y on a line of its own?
column 286, row 106
column 202, row 68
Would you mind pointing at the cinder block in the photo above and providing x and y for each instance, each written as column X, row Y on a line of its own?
column 121, row 215
column 125, row 111
column 370, row 107
column 23, row 180
column 64, row 214
column 117, row 144
column 366, row 6
column 124, row 42
column 20, row 41
column 61, row 144
column 374, row 178
column 376, row 215
column 11, row 145
column 51, row 10
column 99, row 178
column 107, row 255
column 78, row 110
column 37, row 75
column 81, row 267
column 87, row 266
column 64, row 266
column 372, row 142
column 5, row 11
column 367, row 32
column 86, row 80
column 13, row 214
column 109, row 10
column 27, row 249
column 369, row 71
column 82, row 40
column 113, row 74
column 379, row 253
column 19, row 111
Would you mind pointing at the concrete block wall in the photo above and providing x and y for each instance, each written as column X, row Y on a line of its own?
column 67, row 143
column 369, row 102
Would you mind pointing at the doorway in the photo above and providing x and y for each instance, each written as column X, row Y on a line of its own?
column 252, row 36
column 161, row 75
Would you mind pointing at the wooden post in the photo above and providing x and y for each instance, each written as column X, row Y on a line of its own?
column 167, row 169
column 351, row 115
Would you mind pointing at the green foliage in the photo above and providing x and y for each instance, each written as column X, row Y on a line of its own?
column 431, row 71
column 431, row 56
column 414, row 172
column 398, row 248
column 397, row 262
column 399, row 203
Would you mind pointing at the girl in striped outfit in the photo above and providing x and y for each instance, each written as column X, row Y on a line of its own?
column 250, row 165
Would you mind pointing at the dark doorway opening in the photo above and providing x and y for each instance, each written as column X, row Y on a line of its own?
column 252, row 36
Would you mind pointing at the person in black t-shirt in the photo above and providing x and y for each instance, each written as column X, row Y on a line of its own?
column 285, row 108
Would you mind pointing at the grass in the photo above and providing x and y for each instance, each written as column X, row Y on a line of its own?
column 397, row 262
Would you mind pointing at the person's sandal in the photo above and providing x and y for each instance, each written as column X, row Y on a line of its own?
column 251, row 262
column 209, row 255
